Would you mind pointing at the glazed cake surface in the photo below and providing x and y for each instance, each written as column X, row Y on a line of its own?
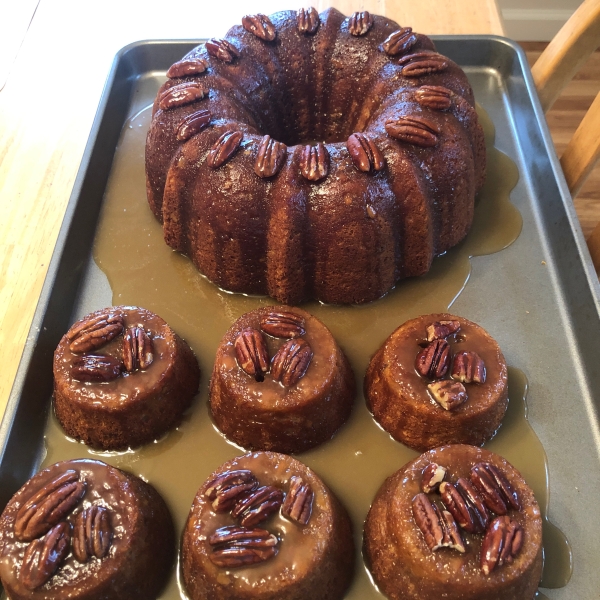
column 314, row 156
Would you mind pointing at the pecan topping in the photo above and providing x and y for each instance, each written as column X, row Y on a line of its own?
column 435, row 97
column 138, row 349
column 190, row 66
column 270, row 158
column 94, row 332
column 222, row 49
column 283, row 324
column 502, row 542
column 258, row 505
column 93, row 533
column 298, row 502
column 468, row 367
column 252, row 353
column 308, row 20
column 452, row 537
column 229, row 487
column 399, row 41
column 193, row 124
column 415, row 130
column 224, row 148
column 314, row 162
column 360, row 23
column 96, row 369
column 43, row 557
column 475, row 503
column 427, row 520
column 448, row 394
column 495, row 490
column 433, row 361
column 458, row 507
column 422, row 63
column 48, row 506
column 366, row 156
column 241, row 546
column 433, row 475
column 260, row 26
column 180, row 95
column 441, row 329
column 291, row 361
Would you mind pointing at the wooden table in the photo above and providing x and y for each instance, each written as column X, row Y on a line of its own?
column 54, row 59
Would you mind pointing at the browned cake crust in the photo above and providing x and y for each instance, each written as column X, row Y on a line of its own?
column 313, row 556
column 401, row 402
column 245, row 191
column 401, row 561
column 115, row 405
column 116, row 536
column 275, row 413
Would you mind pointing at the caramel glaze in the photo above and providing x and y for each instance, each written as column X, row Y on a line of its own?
column 360, row 457
column 316, row 558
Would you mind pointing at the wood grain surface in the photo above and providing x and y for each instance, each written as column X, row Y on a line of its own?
column 51, row 94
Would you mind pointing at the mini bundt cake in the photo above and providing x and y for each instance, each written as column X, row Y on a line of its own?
column 83, row 530
column 280, row 381
column 122, row 378
column 264, row 527
column 312, row 155
column 438, row 379
column 458, row 523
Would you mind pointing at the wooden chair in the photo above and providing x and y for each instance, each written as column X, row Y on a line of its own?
column 566, row 53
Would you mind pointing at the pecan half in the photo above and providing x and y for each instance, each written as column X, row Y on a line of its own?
column 458, row 507
column 441, row 329
column 283, row 324
column 399, row 41
column 241, row 546
column 433, row 474
column 44, row 556
column 93, row 533
column 193, row 124
column 229, row 487
column 222, row 49
column 468, row 367
column 308, row 20
column 93, row 333
column 291, row 361
column 190, row 66
column 427, row 519
column 252, row 353
column 48, row 506
column 261, row 26
column 96, row 369
column 314, row 162
column 224, row 148
column 365, row 155
column 258, row 505
column 475, row 503
column 180, row 95
column 270, row 158
column 422, row 63
column 435, row 97
column 433, row 360
column 452, row 537
column 298, row 501
column 360, row 23
column 502, row 542
column 415, row 130
column 448, row 394
column 138, row 349
column 495, row 490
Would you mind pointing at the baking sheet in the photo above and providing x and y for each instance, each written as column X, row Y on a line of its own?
column 540, row 295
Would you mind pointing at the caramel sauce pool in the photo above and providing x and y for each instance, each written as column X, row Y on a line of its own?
column 143, row 271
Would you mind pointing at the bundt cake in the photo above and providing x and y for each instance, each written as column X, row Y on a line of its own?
column 312, row 155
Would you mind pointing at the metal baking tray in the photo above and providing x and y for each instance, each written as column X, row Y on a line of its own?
column 540, row 295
